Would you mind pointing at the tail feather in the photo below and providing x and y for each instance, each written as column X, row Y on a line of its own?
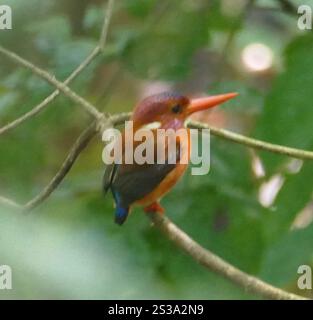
column 121, row 212
column 121, row 215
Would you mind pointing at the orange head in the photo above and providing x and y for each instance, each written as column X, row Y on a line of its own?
column 171, row 109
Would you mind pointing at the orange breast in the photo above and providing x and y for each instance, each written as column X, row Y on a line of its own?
column 171, row 179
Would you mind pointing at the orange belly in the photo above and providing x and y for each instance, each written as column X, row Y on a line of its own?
column 166, row 185
column 170, row 180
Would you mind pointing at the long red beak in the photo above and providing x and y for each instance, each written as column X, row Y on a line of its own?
column 209, row 102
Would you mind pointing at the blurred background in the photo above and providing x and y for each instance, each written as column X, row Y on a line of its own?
column 254, row 209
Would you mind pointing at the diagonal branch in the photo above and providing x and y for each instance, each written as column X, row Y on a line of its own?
column 254, row 143
column 214, row 263
column 96, row 51
column 92, row 110
column 79, row 145
column 106, row 23
column 9, row 203
column 42, row 105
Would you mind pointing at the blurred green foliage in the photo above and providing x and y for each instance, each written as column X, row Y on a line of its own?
column 70, row 247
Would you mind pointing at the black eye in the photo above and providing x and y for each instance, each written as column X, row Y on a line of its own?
column 177, row 108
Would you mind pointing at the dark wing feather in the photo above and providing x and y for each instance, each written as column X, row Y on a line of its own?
column 108, row 177
column 132, row 182
column 135, row 184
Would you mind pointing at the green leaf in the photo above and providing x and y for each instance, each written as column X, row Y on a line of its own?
column 287, row 117
column 293, row 197
column 282, row 259
column 139, row 8
column 166, row 51
column 222, row 224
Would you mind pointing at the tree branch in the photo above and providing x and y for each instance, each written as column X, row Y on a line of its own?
column 79, row 145
column 106, row 23
column 9, row 203
column 41, row 106
column 92, row 110
column 214, row 263
column 254, row 143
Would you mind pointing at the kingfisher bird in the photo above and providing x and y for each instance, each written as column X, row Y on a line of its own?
column 145, row 184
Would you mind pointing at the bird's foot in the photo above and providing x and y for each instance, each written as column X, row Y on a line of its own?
column 154, row 207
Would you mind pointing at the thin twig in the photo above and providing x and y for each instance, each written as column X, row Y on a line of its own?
column 218, row 265
column 9, row 203
column 95, row 52
column 107, row 20
column 79, row 145
column 254, row 143
column 92, row 110
column 42, row 105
